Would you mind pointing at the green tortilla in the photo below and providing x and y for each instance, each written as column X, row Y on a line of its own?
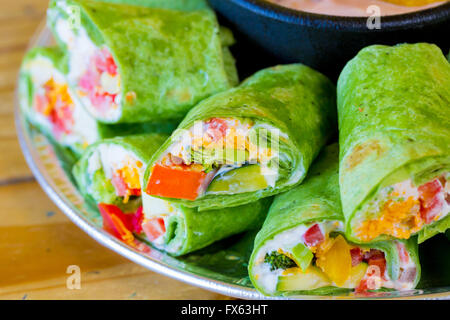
column 393, row 106
column 168, row 60
column 192, row 229
column 295, row 99
column 317, row 200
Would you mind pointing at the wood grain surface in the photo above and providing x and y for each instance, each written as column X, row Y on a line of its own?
column 37, row 242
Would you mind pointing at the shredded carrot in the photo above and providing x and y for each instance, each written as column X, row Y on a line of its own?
column 398, row 218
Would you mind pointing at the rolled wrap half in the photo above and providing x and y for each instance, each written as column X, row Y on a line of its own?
column 109, row 175
column 247, row 143
column 302, row 249
column 179, row 230
column 394, row 131
column 50, row 104
column 133, row 64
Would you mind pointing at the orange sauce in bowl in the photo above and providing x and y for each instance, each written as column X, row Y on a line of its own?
column 358, row 8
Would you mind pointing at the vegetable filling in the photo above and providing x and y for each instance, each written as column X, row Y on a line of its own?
column 101, row 82
column 93, row 71
column 116, row 187
column 323, row 258
column 403, row 209
column 115, row 177
column 51, row 104
column 53, row 101
column 217, row 156
column 162, row 223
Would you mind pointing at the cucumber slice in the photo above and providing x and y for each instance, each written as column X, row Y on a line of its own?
column 311, row 279
column 302, row 256
column 244, row 179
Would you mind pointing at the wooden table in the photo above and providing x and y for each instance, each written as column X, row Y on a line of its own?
column 37, row 242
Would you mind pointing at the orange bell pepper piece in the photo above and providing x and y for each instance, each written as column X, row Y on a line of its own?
column 175, row 182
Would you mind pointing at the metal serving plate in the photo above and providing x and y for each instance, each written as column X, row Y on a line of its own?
column 221, row 268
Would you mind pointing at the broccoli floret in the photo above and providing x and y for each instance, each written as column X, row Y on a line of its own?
column 279, row 261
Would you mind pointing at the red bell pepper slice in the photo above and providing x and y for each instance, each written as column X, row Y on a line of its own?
column 431, row 199
column 154, row 228
column 402, row 253
column 116, row 222
column 357, row 256
column 120, row 224
column 313, row 236
column 104, row 62
column 136, row 220
column 175, row 182
column 362, row 287
column 216, row 128
column 121, row 187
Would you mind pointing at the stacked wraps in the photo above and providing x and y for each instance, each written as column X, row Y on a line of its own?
column 110, row 174
column 394, row 131
column 302, row 249
column 123, row 69
column 134, row 64
column 247, row 143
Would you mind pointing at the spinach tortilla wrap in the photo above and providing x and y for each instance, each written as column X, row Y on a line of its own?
column 133, row 64
column 302, row 248
column 110, row 174
column 247, row 143
column 47, row 101
column 394, row 131
column 50, row 104
column 179, row 230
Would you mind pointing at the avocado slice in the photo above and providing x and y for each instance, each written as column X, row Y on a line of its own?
column 244, row 179
column 311, row 279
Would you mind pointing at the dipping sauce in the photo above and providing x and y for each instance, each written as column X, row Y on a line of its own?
column 355, row 8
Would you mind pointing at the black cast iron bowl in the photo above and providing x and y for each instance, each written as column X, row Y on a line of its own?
column 269, row 34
